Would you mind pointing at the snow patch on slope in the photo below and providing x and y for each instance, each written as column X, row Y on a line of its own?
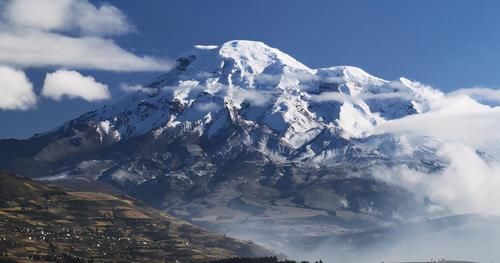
column 250, row 83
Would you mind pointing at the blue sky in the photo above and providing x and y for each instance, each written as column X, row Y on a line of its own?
column 448, row 44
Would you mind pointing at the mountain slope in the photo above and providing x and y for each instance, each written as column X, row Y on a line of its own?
column 246, row 95
column 245, row 139
column 42, row 222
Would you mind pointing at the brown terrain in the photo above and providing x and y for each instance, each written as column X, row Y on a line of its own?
column 39, row 222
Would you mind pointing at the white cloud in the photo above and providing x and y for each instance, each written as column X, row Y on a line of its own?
column 73, row 85
column 69, row 34
column 64, row 15
column 329, row 96
column 304, row 76
column 468, row 131
column 468, row 184
column 257, row 98
column 32, row 35
column 33, row 48
column 104, row 20
column 480, row 94
column 42, row 14
column 207, row 107
column 451, row 119
column 16, row 90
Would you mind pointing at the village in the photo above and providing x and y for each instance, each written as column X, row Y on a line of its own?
column 41, row 223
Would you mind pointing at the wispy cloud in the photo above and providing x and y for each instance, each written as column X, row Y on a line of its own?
column 256, row 98
column 128, row 88
column 207, row 107
column 342, row 97
column 267, row 79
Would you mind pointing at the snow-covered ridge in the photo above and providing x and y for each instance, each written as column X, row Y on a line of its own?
column 251, row 84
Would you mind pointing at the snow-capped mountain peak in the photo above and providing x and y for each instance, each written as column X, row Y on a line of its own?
column 240, row 116
column 280, row 105
column 255, row 57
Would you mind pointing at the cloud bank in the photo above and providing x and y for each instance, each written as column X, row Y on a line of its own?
column 470, row 148
column 468, row 184
column 72, row 84
column 451, row 119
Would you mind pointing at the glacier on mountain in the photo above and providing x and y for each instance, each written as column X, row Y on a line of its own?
column 260, row 87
